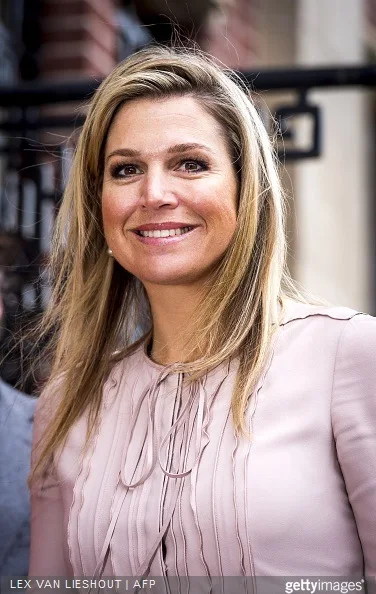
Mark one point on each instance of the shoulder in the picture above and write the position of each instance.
(351, 334)
(294, 312)
(357, 347)
(342, 331)
(16, 425)
(322, 318)
(14, 405)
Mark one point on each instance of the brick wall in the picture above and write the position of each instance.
(371, 12)
(227, 35)
(370, 37)
(78, 38)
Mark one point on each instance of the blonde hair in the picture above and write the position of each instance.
(96, 305)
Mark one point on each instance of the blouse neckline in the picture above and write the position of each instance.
(144, 353)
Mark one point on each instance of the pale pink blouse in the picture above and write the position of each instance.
(166, 487)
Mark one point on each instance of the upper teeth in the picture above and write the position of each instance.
(165, 232)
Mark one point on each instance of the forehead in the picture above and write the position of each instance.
(140, 123)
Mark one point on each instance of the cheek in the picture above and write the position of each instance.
(106, 211)
(223, 209)
(114, 209)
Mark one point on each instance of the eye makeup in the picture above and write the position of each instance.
(116, 168)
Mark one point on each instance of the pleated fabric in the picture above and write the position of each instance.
(164, 464)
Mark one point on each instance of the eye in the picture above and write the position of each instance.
(193, 165)
(123, 170)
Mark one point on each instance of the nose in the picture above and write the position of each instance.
(157, 191)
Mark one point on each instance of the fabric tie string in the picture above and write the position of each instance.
(154, 454)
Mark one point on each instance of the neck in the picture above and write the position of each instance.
(173, 308)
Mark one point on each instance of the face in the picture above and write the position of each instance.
(169, 196)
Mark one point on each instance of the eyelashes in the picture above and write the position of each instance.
(204, 165)
(117, 168)
(130, 169)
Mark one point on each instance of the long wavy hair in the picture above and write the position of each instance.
(96, 306)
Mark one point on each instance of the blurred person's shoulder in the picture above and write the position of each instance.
(15, 406)
(16, 423)
(16, 426)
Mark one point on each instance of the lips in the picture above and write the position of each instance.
(163, 226)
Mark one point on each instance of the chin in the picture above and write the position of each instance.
(166, 280)
(171, 278)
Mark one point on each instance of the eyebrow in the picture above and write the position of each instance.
(176, 148)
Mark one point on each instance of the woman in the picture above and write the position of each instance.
(237, 436)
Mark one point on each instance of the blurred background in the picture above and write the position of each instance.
(312, 66)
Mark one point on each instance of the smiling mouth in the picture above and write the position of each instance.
(164, 232)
